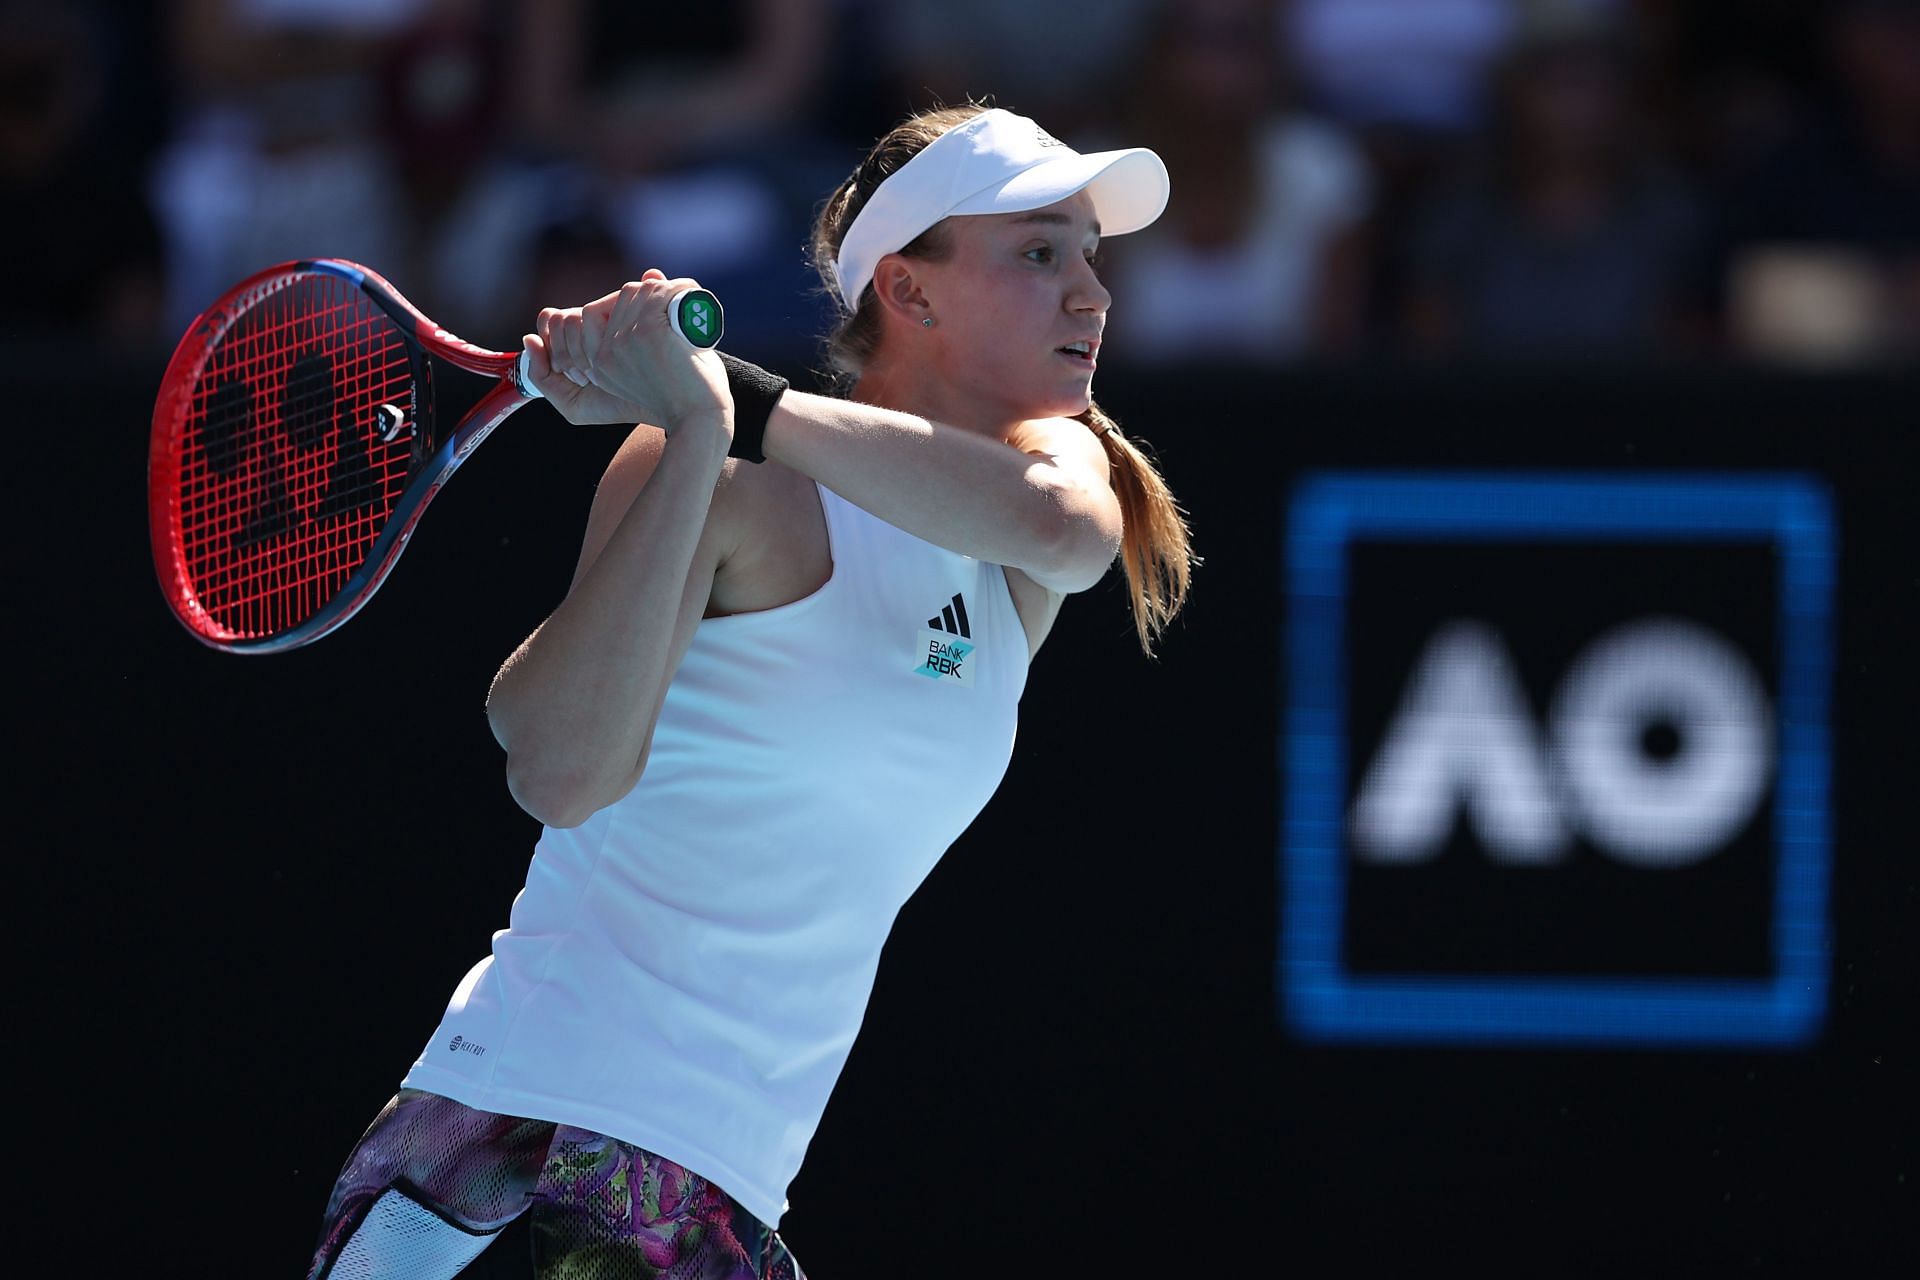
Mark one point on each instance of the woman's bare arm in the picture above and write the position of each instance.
(575, 704)
(1040, 503)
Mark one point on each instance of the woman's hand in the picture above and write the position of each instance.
(618, 354)
(633, 353)
(578, 401)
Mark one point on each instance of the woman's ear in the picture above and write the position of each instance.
(898, 289)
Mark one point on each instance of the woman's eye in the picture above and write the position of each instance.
(1093, 257)
(1042, 254)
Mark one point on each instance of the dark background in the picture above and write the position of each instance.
(244, 888)
(247, 886)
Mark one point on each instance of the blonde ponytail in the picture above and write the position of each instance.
(1157, 548)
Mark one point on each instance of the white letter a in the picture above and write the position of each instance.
(1463, 735)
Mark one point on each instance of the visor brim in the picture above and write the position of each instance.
(1129, 188)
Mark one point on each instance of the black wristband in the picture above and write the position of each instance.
(754, 392)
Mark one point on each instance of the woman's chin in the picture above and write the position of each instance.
(1070, 404)
(1061, 400)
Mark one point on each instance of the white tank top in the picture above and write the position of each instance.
(687, 969)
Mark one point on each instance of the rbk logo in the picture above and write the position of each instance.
(944, 649)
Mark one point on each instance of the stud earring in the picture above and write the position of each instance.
(926, 322)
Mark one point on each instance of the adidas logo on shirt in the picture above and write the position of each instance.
(955, 618)
(945, 651)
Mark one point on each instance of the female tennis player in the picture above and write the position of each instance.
(783, 681)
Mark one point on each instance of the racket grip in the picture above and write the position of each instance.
(694, 314)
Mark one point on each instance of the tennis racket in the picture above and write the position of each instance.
(295, 447)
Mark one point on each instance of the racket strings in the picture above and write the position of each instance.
(287, 474)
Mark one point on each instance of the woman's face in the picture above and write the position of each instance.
(1017, 310)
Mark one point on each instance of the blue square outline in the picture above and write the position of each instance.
(1320, 1002)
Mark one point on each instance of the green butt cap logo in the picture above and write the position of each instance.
(696, 317)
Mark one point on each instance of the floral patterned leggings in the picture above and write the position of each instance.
(432, 1182)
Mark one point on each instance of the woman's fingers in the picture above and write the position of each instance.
(538, 370)
(550, 328)
(603, 307)
(604, 343)
(570, 328)
(638, 298)
(543, 330)
(561, 390)
(600, 308)
(642, 304)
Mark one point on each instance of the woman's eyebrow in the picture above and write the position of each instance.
(1053, 219)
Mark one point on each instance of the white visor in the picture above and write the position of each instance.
(997, 162)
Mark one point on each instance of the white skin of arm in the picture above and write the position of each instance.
(1039, 503)
(575, 705)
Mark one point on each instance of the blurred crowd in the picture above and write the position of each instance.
(1352, 179)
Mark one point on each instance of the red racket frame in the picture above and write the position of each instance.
(174, 415)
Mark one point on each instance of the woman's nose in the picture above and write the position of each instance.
(1088, 293)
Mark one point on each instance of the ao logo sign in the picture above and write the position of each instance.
(1554, 759)
(1465, 738)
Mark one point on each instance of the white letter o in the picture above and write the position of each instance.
(1673, 812)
